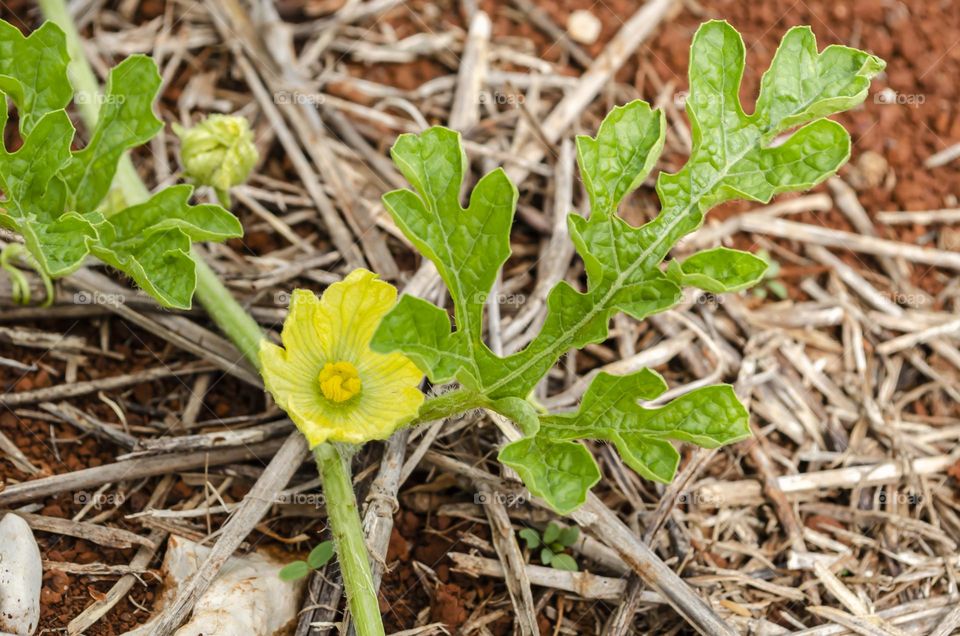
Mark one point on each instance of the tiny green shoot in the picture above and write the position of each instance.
(553, 544)
(319, 556)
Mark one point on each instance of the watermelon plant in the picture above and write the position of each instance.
(351, 361)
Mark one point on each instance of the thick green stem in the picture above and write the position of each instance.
(344, 517)
(232, 319)
(448, 404)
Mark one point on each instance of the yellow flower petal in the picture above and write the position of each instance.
(306, 332)
(326, 377)
(354, 308)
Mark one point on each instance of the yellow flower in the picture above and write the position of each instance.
(325, 376)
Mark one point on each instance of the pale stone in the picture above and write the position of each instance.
(868, 172)
(583, 27)
(247, 598)
(21, 575)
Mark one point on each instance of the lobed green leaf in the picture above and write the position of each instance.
(734, 155)
(719, 270)
(623, 153)
(35, 195)
(559, 472)
(33, 71)
(150, 242)
(126, 121)
(609, 411)
(52, 194)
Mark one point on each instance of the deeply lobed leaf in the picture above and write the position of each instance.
(734, 156)
(151, 242)
(52, 194)
(126, 121)
(33, 71)
(709, 417)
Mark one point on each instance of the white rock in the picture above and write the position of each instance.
(21, 575)
(583, 26)
(246, 599)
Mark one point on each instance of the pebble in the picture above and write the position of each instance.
(247, 597)
(21, 575)
(869, 171)
(583, 27)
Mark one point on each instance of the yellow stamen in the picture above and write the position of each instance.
(339, 381)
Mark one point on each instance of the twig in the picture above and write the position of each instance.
(511, 559)
(943, 157)
(920, 217)
(816, 234)
(583, 584)
(104, 384)
(738, 492)
(465, 111)
(101, 535)
(136, 469)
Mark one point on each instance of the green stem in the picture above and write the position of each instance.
(19, 287)
(232, 319)
(333, 464)
(448, 404)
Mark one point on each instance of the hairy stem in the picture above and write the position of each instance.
(448, 404)
(344, 517)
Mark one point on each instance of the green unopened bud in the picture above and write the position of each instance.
(218, 152)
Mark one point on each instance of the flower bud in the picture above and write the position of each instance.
(217, 152)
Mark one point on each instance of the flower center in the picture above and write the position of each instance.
(339, 381)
